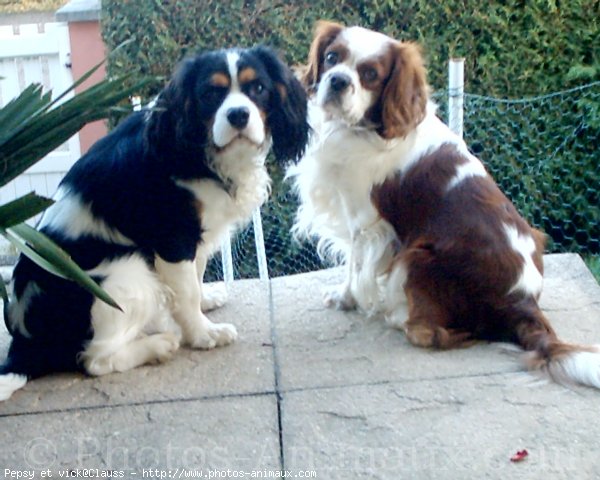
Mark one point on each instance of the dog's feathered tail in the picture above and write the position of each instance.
(562, 362)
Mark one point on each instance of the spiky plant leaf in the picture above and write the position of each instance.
(43, 251)
(24, 143)
(31, 126)
(23, 208)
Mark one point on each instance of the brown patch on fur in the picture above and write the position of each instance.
(545, 350)
(539, 239)
(339, 47)
(325, 34)
(282, 91)
(540, 358)
(246, 75)
(461, 266)
(404, 99)
(460, 263)
(382, 66)
(199, 208)
(426, 326)
(220, 80)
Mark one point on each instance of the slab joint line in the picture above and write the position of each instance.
(277, 377)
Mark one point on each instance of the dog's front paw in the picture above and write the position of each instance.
(164, 346)
(223, 333)
(340, 298)
(214, 295)
(214, 335)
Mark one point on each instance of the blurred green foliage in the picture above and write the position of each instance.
(543, 153)
(512, 48)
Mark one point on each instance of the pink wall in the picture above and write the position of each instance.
(87, 50)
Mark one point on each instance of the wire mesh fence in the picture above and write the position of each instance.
(544, 153)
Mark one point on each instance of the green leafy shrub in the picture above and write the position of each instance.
(543, 153)
(512, 49)
(22, 6)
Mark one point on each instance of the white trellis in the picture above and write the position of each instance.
(456, 92)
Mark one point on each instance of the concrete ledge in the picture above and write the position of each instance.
(80, 11)
(27, 17)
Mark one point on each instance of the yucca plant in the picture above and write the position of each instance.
(31, 126)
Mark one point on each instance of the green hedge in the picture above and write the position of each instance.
(543, 152)
(512, 49)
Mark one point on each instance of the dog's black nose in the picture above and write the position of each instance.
(339, 82)
(238, 117)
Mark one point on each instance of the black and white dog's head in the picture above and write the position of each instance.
(233, 99)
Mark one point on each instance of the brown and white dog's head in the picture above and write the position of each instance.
(366, 78)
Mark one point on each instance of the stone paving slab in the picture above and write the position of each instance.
(320, 347)
(238, 433)
(461, 428)
(359, 402)
(244, 367)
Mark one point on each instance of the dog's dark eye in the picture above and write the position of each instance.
(369, 75)
(216, 92)
(256, 90)
(332, 58)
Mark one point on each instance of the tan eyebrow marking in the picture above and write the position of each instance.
(282, 91)
(247, 75)
(220, 80)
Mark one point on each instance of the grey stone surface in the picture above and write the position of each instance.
(460, 428)
(571, 298)
(242, 368)
(237, 433)
(80, 11)
(310, 389)
(312, 338)
(26, 17)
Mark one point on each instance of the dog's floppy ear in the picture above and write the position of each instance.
(287, 110)
(176, 111)
(325, 34)
(404, 98)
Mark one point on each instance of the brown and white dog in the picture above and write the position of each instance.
(386, 187)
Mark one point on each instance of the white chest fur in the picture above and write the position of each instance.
(341, 166)
(334, 182)
(225, 207)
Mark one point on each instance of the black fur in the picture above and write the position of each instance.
(127, 180)
(288, 143)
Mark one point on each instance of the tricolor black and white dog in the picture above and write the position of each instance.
(143, 211)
